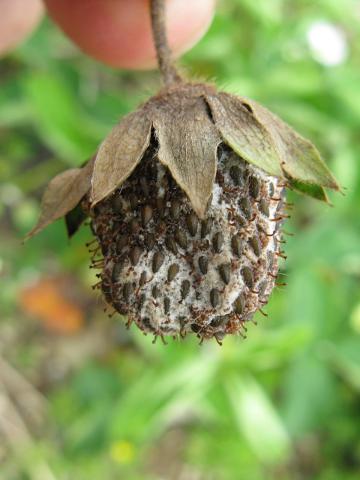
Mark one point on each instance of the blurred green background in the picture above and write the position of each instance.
(83, 398)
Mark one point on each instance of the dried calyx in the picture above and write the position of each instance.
(186, 200)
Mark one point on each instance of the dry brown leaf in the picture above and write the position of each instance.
(188, 141)
(62, 194)
(119, 154)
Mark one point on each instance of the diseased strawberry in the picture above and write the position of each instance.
(170, 271)
(186, 197)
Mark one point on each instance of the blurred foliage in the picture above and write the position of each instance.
(98, 401)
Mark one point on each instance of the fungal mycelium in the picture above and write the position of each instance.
(186, 200)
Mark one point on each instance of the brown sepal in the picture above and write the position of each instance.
(263, 139)
(119, 154)
(300, 159)
(62, 194)
(188, 141)
(243, 132)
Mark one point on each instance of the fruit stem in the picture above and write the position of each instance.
(167, 68)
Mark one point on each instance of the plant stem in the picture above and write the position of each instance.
(158, 22)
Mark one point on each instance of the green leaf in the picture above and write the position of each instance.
(344, 359)
(258, 420)
(313, 191)
(181, 385)
(309, 395)
(61, 125)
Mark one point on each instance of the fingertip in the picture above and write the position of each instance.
(119, 34)
(18, 19)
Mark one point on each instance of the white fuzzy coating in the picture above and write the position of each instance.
(197, 308)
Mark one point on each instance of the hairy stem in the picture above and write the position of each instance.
(158, 22)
